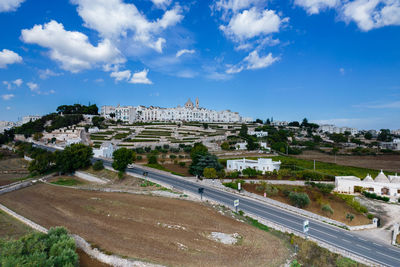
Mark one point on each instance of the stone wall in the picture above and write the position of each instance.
(91, 178)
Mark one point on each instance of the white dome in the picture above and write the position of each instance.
(368, 178)
(381, 178)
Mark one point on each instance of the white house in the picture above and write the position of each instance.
(381, 185)
(93, 130)
(241, 146)
(262, 164)
(258, 133)
(106, 150)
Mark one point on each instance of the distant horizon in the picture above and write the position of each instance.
(283, 59)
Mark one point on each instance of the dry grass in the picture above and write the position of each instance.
(11, 228)
(339, 206)
(11, 164)
(384, 162)
(131, 225)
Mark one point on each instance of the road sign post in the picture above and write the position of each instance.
(239, 186)
(236, 204)
(201, 191)
(306, 227)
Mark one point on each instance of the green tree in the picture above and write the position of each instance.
(225, 146)
(350, 216)
(368, 135)
(152, 159)
(205, 125)
(73, 157)
(122, 157)
(98, 165)
(384, 135)
(243, 131)
(42, 163)
(210, 173)
(338, 138)
(97, 121)
(300, 200)
(56, 248)
(204, 161)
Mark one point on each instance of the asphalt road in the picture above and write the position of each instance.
(373, 250)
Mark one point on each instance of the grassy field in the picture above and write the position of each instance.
(68, 181)
(11, 228)
(167, 231)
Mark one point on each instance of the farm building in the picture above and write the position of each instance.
(264, 165)
(381, 185)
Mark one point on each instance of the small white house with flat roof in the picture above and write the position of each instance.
(262, 164)
(106, 150)
(382, 185)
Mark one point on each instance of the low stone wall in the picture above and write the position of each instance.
(28, 222)
(15, 186)
(91, 178)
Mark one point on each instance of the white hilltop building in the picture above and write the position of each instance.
(382, 185)
(189, 112)
(261, 164)
(330, 128)
(106, 150)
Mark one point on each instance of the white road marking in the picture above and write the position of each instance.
(378, 244)
(388, 256)
(358, 245)
(347, 240)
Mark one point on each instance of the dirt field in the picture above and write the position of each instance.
(166, 231)
(11, 228)
(178, 169)
(12, 169)
(338, 205)
(384, 162)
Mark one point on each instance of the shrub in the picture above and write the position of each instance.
(375, 196)
(172, 156)
(300, 200)
(350, 216)
(98, 165)
(358, 189)
(152, 159)
(353, 203)
(232, 175)
(251, 172)
(234, 185)
(327, 209)
(139, 157)
(370, 216)
(311, 175)
(56, 248)
(182, 164)
(324, 188)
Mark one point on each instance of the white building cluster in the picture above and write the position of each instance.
(330, 128)
(189, 112)
(381, 185)
(262, 164)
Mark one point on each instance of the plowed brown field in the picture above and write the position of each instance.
(161, 230)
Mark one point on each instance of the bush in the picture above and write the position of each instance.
(324, 188)
(370, 216)
(311, 175)
(251, 172)
(139, 157)
(350, 216)
(98, 165)
(327, 209)
(152, 159)
(234, 185)
(182, 164)
(375, 196)
(56, 248)
(172, 156)
(233, 175)
(353, 203)
(300, 200)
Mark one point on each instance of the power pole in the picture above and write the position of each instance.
(314, 164)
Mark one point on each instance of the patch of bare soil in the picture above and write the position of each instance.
(12, 169)
(86, 261)
(134, 226)
(317, 199)
(384, 162)
(178, 169)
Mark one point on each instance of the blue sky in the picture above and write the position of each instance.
(332, 61)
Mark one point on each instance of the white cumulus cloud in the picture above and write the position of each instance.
(315, 6)
(71, 48)
(18, 82)
(7, 96)
(371, 14)
(8, 57)
(253, 22)
(140, 77)
(161, 3)
(33, 86)
(185, 51)
(253, 61)
(121, 75)
(10, 5)
(115, 18)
